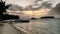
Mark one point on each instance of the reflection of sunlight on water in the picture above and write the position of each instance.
(42, 26)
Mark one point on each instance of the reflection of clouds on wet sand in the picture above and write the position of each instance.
(42, 26)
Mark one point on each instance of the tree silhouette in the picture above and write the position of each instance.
(3, 7)
(3, 10)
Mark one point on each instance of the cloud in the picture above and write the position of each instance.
(56, 9)
(37, 1)
(32, 8)
(15, 8)
(47, 4)
(37, 6)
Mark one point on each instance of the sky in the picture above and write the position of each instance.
(44, 7)
(24, 3)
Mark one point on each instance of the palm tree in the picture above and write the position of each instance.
(3, 7)
(3, 10)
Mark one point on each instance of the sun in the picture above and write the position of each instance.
(27, 12)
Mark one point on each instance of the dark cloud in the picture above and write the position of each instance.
(15, 8)
(32, 8)
(56, 9)
(36, 6)
(37, 1)
(47, 4)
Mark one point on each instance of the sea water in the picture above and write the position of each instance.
(41, 26)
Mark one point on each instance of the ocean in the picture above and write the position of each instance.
(41, 26)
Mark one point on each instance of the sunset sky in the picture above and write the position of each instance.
(24, 3)
(35, 4)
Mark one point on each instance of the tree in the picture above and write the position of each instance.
(3, 10)
(3, 7)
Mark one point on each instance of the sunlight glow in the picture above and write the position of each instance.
(37, 13)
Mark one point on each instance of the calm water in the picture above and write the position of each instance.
(42, 26)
